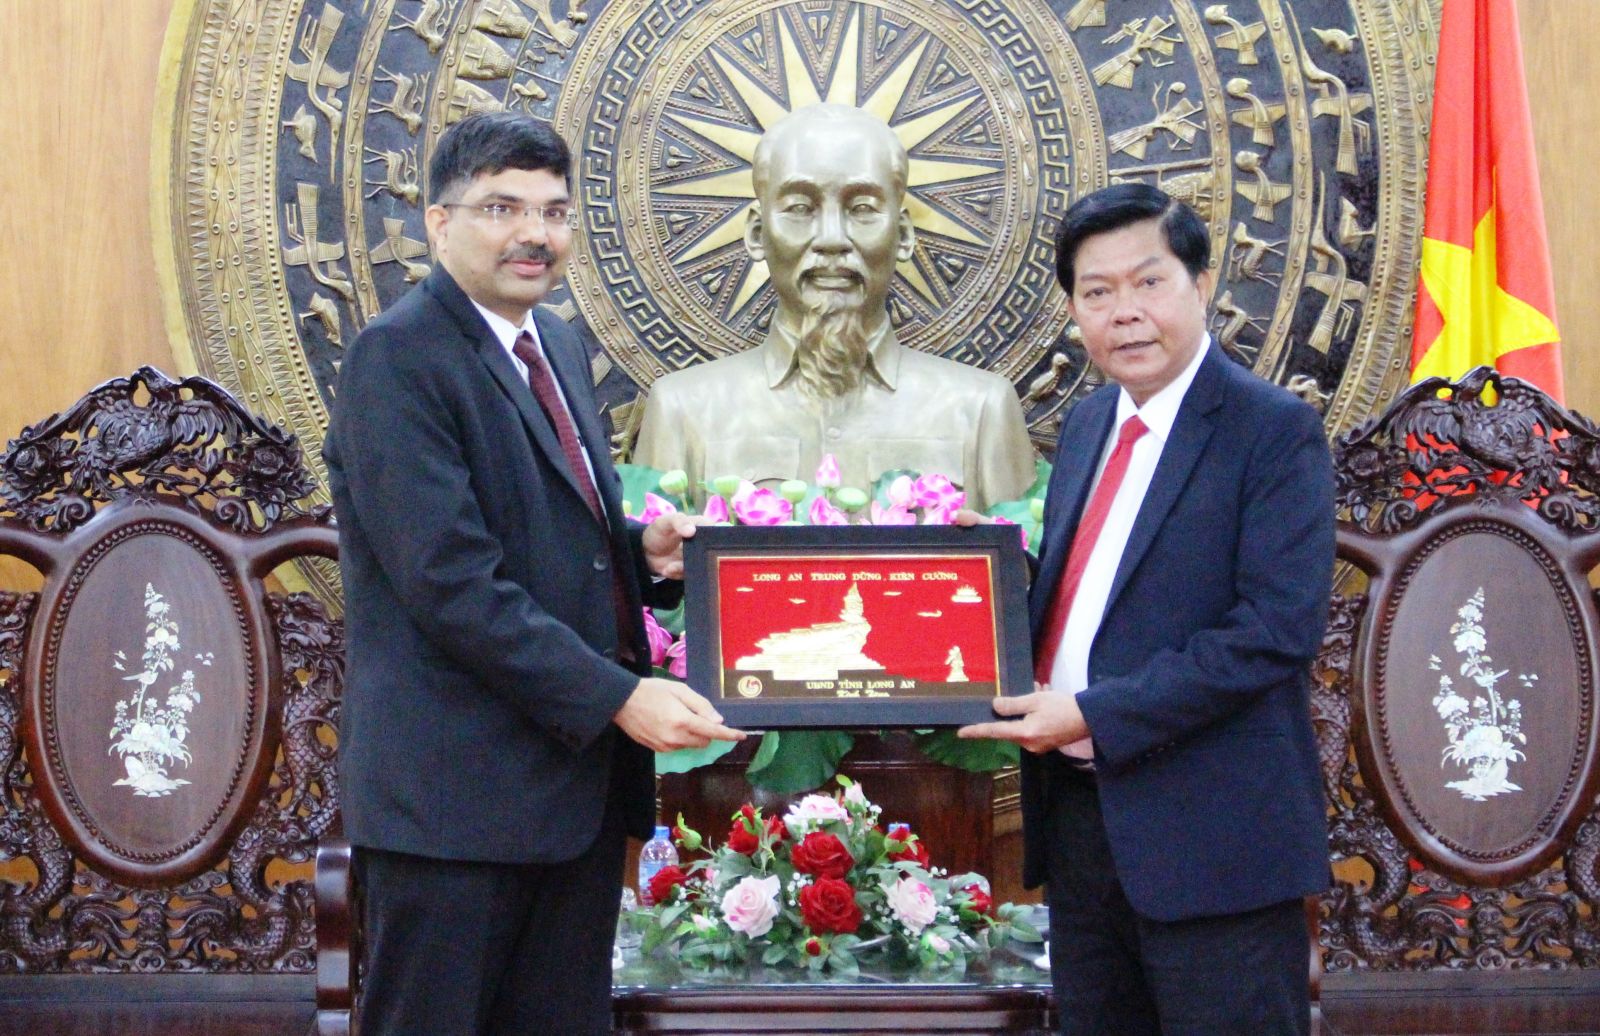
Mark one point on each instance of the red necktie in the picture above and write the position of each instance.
(1089, 526)
(543, 384)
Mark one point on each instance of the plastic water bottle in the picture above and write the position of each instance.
(657, 853)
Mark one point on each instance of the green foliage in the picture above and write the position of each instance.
(798, 760)
(686, 759)
(978, 756)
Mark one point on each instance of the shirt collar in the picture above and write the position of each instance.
(883, 354)
(1160, 411)
(505, 332)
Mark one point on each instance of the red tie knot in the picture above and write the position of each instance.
(524, 348)
(1131, 430)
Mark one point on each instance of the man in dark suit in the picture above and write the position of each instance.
(498, 719)
(1171, 802)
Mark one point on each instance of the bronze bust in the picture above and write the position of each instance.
(831, 377)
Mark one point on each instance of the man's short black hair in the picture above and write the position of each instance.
(1123, 204)
(492, 142)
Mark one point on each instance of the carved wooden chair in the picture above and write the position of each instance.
(166, 724)
(1465, 831)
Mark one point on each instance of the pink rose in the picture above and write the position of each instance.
(1007, 521)
(751, 905)
(760, 506)
(655, 507)
(716, 508)
(660, 640)
(828, 476)
(824, 513)
(676, 664)
(913, 903)
(891, 515)
(811, 812)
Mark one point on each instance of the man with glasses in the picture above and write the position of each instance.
(498, 716)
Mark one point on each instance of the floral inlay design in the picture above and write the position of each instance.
(1484, 733)
(150, 735)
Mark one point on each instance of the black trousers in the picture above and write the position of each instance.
(460, 948)
(1117, 973)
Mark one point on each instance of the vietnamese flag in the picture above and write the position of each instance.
(1486, 295)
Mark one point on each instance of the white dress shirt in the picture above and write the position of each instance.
(1070, 669)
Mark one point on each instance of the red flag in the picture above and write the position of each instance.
(1485, 295)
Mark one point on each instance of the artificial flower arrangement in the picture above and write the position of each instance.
(799, 760)
(821, 887)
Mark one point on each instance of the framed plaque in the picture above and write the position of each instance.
(856, 626)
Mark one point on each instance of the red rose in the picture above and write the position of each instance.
(776, 829)
(814, 946)
(823, 856)
(663, 881)
(980, 901)
(829, 905)
(741, 840)
(913, 851)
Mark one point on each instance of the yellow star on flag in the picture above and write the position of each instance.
(1481, 320)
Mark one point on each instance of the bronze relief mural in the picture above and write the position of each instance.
(301, 131)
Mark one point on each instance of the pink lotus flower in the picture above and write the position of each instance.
(716, 508)
(655, 507)
(1007, 521)
(895, 514)
(899, 493)
(751, 905)
(760, 506)
(824, 513)
(660, 640)
(913, 903)
(676, 663)
(938, 515)
(937, 491)
(828, 476)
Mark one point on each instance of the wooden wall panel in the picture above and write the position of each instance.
(1560, 39)
(79, 301)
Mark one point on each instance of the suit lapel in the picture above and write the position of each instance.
(573, 377)
(493, 356)
(1190, 433)
(1076, 461)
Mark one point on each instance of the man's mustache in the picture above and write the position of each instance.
(529, 253)
(830, 270)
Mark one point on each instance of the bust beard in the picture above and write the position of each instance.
(831, 349)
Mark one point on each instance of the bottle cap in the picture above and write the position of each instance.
(662, 831)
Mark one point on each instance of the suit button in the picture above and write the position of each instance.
(601, 562)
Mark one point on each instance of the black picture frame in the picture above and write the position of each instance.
(717, 557)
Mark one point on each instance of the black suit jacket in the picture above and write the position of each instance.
(1197, 696)
(482, 640)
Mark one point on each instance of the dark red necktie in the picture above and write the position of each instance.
(1083, 541)
(543, 384)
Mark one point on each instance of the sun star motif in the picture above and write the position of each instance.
(841, 86)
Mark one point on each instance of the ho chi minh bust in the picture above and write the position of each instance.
(831, 377)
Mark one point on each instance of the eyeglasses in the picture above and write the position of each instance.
(502, 214)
